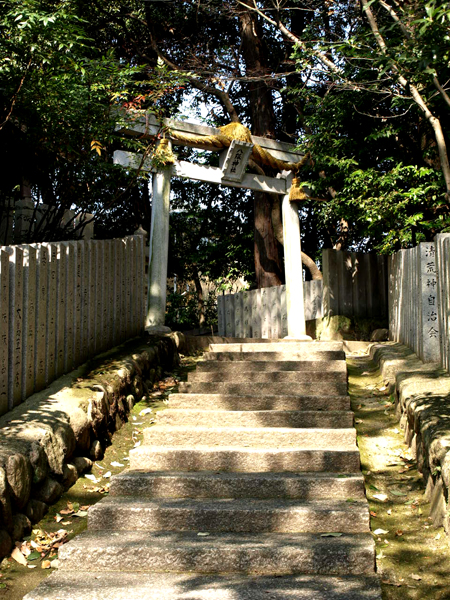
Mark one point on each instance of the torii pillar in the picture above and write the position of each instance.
(158, 251)
(293, 267)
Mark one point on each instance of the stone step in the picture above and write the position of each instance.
(256, 402)
(269, 554)
(229, 515)
(278, 355)
(281, 346)
(268, 376)
(254, 437)
(288, 486)
(262, 418)
(88, 585)
(311, 388)
(262, 366)
(245, 460)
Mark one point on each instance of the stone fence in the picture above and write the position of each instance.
(354, 285)
(62, 303)
(419, 303)
(20, 219)
(262, 313)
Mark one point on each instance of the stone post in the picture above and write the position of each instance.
(159, 250)
(293, 269)
(6, 221)
(23, 221)
(430, 303)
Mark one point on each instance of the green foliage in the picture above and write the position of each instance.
(372, 146)
(63, 96)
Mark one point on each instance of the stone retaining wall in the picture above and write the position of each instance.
(422, 393)
(54, 436)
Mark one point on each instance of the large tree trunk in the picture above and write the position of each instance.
(269, 266)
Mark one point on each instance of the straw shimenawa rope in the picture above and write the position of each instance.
(237, 131)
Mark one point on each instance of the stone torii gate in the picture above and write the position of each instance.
(231, 172)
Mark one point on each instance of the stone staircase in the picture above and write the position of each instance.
(248, 488)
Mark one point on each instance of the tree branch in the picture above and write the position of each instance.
(417, 97)
(14, 98)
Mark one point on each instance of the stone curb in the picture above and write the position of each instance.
(422, 401)
(55, 435)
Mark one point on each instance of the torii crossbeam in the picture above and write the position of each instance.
(231, 172)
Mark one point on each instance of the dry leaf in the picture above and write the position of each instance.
(373, 513)
(58, 517)
(203, 533)
(107, 475)
(381, 497)
(46, 564)
(380, 531)
(399, 533)
(116, 464)
(416, 577)
(17, 555)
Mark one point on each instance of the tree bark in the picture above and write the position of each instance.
(269, 267)
(200, 300)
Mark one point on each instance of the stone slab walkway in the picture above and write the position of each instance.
(248, 488)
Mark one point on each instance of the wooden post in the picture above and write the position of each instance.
(293, 269)
(159, 249)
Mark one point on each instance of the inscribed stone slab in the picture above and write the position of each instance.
(50, 360)
(99, 298)
(91, 250)
(61, 284)
(15, 324)
(107, 299)
(221, 314)
(229, 315)
(70, 307)
(84, 301)
(4, 330)
(247, 313)
(29, 318)
(430, 308)
(275, 315)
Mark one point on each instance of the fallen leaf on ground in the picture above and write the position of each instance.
(203, 533)
(58, 517)
(381, 497)
(416, 577)
(399, 533)
(92, 477)
(116, 464)
(107, 475)
(146, 411)
(34, 556)
(373, 513)
(380, 531)
(17, 555)
(46, 564)
(397, 493)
